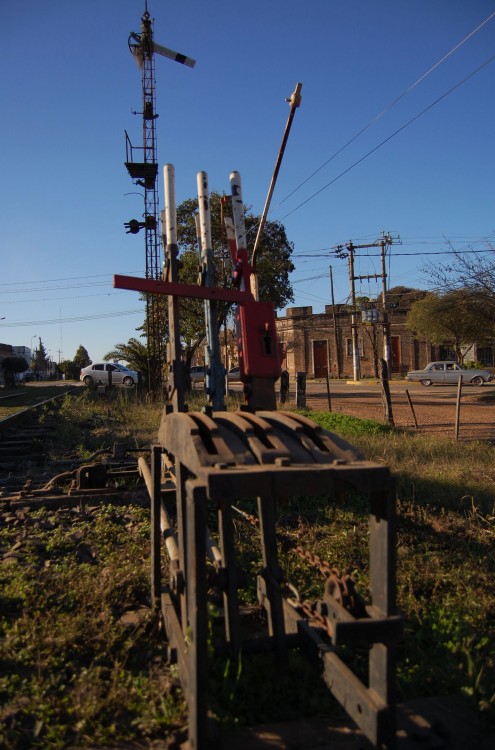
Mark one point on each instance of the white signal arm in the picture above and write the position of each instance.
(177, 56)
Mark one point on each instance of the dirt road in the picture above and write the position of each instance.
(434, 407)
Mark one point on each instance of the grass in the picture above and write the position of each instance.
(13, 400)
(75, 672)
(446, 559)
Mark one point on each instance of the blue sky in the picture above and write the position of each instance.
(69, 85)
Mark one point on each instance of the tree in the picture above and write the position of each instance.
(468, 270)
(135, 353)
(454, 318)
(81, 357)
(40, 358)
(273, 267)
(11, 366)
(402, 297)
(70, 369)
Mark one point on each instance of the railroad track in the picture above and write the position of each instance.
(30, 475)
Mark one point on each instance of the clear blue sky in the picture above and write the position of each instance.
(69, 85)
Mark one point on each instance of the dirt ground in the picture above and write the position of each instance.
(434, 410)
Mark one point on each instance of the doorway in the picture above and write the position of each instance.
(320, 358)
(395, 352)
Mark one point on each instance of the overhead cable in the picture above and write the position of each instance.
(73, 319)
(66, 278)
(389, 107)
(389, 138)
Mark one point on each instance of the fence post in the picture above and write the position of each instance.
(387, 401)
(284, 386)
(458, 408)
(328, 392)
(412, 408)
(301, 390)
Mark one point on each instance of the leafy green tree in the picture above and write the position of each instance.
(273, 267)
(70, 369)
(11, 366)
(402, 297)
(135, 353)
(81, 357)
(455, 319)
(40, 358)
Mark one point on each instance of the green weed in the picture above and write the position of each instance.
(72, 671)
(73, 674)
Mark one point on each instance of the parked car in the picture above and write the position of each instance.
(197, 373)
(99, 374)
(234, 374)
(449, 372)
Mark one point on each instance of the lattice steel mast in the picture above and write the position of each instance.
(144, 171)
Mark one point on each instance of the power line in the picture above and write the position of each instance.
(433, 252)
(314, 297)
(54, 299)
(389, 138)
(54, 288)
(323, 254)
(66, 278)
(73, 319)
(389, 106)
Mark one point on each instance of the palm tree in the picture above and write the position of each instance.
(135, 353)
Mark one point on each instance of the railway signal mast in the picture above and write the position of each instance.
(142, 165)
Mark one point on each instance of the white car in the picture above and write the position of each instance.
(449, 373)
(99, 373)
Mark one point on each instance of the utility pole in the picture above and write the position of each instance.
(387, 355)
(335, 336)
(356, 366)
(383, 243)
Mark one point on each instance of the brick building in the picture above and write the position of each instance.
(322, 342)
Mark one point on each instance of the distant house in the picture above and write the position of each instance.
(320, 344)
(5, 351)
(22, 351)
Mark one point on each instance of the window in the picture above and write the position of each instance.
(349, 347)
(99, 367)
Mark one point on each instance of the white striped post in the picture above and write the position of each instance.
(214, 367)
(175, 386)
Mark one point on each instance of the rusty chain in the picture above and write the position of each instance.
(309, 609)
(316, 561)
(340, 586)
(252, 520)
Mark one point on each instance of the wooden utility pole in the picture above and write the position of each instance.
(335, 335)
(383, 244)
(356, 366)
(387, 355)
